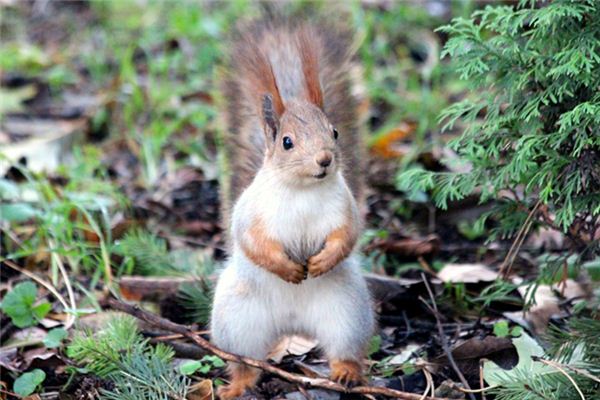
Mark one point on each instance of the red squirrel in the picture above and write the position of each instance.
(290, 201)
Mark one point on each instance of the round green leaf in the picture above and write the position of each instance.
(189, 367)
(55, 337)
(28, 382)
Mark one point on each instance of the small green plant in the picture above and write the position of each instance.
(137, 369)
(204, 365)
(531, 121)
(196, 298)
(20, 305)
(27, 383)
(55, 337)
(148, 252)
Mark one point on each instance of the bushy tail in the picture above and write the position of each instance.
(286, 60)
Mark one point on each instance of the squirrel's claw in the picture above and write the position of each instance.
(293, 273)
(348, 373)
(320, 264)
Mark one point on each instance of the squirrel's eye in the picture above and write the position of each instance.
(335, 133)
(287, 143)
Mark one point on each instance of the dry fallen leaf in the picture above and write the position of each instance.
(404, 355)
(202, 390)
(467, 273)
(383, 145)
(294, 345)
(546, 303)
(406, 247)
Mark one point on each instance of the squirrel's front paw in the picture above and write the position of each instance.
(291, 272)
(321, 263)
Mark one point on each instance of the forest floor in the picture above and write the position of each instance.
(116, 102)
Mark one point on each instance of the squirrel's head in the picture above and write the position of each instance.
(301, 142)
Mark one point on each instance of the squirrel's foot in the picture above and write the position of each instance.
(229, 392)
(291, 272)
(346, 372)
(242, 377)
(321, 263)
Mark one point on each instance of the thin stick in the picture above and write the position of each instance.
(167, 325)
(518, 242)
(443, 339)
(177, 336)
(481, 380)
(430, 386)
(562, 371)
(63, 271)
(574, 369)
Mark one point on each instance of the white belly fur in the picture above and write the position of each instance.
(252, 307)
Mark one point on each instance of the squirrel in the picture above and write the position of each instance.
(295, 183)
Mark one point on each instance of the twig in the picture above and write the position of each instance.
(562, 371)
(570, 367)
(176, 336)
(481, 380)
(516, 245)
(167, 325)
(10, 394)
(443, 338)
(63, 271)
(429, 379)
(427, 267)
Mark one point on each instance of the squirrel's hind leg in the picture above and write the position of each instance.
(346, 372)
(342, 320)
(241, 377)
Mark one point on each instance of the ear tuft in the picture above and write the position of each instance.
(269, 116)
(310, 66)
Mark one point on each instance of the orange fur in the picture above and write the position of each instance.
(346, 372)
(310, 66)
(270, 254)
(338, 246)
(261, 78)
(242, 377)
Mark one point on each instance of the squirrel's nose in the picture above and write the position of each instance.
(324, 158)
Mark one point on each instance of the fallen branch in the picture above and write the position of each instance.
(138, 288)
(322, 383)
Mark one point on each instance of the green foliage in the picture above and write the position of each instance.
(151, 257)
(101, 353)
(27, 383)
(574, 352)
(196, 298)
(65, 214)
(19, 305)
(204, 365)
(137, 369)
(531, 120)
(374, 345)
(147, 374)
(55, 337)
(400, 59)
(149, 253)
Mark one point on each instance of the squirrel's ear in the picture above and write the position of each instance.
(271, 120)
(310, 66)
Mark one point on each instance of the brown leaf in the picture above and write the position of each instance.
(294, 345)
(468, 353)
(202, 390)
(408, 247)
(383, 145)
